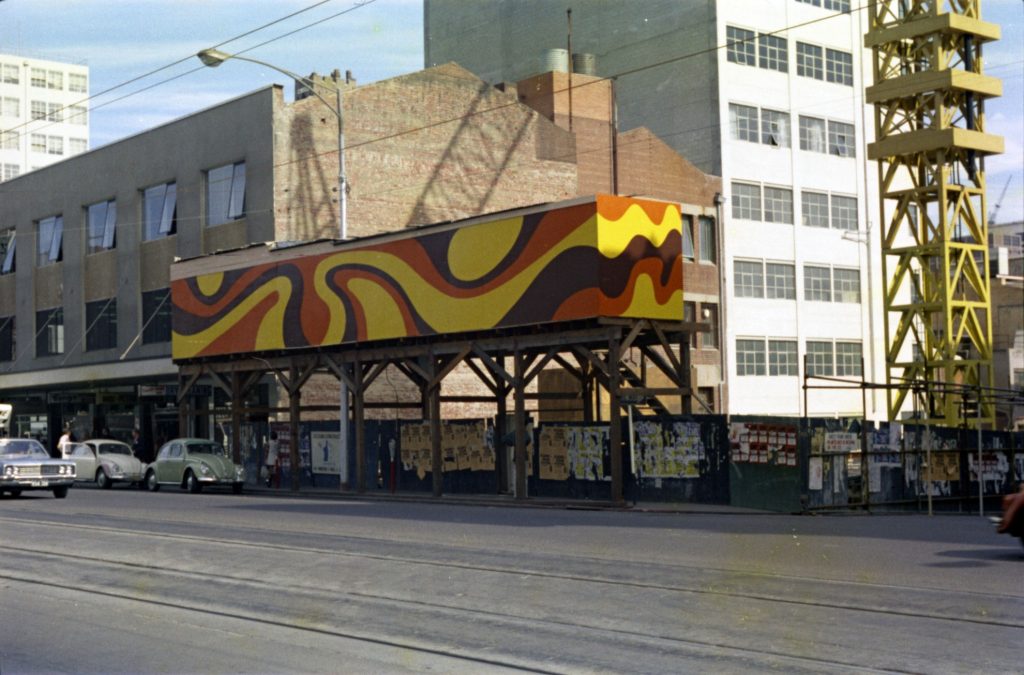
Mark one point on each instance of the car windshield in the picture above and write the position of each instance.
(114, 449)
(21, 447)
(209, 448)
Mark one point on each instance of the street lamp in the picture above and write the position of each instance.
(215, 57)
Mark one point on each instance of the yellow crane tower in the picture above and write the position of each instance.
(930, 142)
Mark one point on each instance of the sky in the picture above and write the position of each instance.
(121, 40)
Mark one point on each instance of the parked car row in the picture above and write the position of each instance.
(188, 463)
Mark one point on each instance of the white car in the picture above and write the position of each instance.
(104, 461)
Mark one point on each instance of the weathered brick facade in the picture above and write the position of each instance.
(440, 145)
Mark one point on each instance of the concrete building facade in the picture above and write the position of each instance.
(84, 313)
(43, 114)
(768, 95)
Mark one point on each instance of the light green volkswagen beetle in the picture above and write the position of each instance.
(192, 463)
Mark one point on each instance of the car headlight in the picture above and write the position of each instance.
(8, 470)
(114, 466)
(239, 473)
(204, 469)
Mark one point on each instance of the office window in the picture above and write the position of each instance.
(78, 114)
(809, 61)
(38, 78)
(49, 237)
(77, 83)
(743, 122)
(7, 344)
(690, 316)
(841, 139)
(55, 112)
(816, 3)
(848, 359)
(778, 205)
(817, 283)
(7, 251)
(10, 106)
(77, 146)
(37, 110)
(780, 281)
(708, 245)
(101, 324)
(54, 145)
(159, 211)
(839, 67)
(54, 79)
(225, 193)
(749, 279)
(840, 5)
(750, 357)
(740, 46)
(812, 134)
(10, 73)
(844, 213)
(709, 340)
(687, 237)
(102, 217)
(782, 357)
(49, 332)
(772, 53)
(746, 201)
(814, 208)
(156, 316)
(9, 171)
(846, 285)
(9, 140)
(775, 128)
(819, 358)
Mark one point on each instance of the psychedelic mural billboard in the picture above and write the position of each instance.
(607, 257)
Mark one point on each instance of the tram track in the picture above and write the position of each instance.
(1001, 610)
(516, 627)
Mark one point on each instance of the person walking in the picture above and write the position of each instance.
(66, 439)
(271, 463)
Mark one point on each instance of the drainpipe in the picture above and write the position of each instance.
(723, 337)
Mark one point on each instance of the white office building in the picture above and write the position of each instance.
(44, 117)
(767, 94)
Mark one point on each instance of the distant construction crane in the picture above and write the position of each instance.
(929, 93)
(1002, 195)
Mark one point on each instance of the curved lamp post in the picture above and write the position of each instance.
(215, 57)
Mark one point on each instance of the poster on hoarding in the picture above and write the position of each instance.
(326, 452)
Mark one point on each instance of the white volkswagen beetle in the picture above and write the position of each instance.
(104, 461)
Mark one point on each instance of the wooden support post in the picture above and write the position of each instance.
(615, 419)
(360, 435)
(519, 412)
(500, 450)
(683, 374)
(436, 465)
(236, 416)
(183, 410)
(294, 403)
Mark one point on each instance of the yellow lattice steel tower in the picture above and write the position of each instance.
(929, 94)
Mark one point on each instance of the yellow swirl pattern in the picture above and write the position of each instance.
(615, 235)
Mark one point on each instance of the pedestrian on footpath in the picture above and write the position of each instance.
(272, 460)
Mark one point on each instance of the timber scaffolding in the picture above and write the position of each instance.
(578, 285)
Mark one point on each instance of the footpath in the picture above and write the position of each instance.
(507, 501)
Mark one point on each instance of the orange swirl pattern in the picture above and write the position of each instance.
(609, 257)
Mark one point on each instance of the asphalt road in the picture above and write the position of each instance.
(128, 581)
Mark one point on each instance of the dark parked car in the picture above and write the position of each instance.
(25, 465)
(192, 463)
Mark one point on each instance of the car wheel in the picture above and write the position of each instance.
(237, 488)
(60, 492)
(102, 479)
(16, 493)
(151, 482)
(192, 484)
